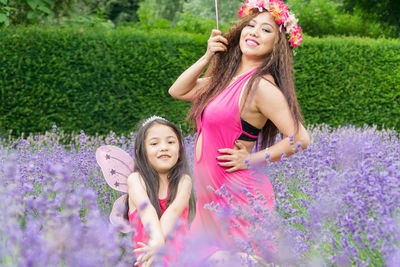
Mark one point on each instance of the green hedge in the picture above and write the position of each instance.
(349, 81)
(102, 80)
(96, 81)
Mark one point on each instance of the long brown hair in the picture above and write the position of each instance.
(278, 64)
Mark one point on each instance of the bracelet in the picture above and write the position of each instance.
(267, 155)
(247, 162)
(291, 140)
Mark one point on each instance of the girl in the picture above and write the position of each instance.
(246, 97)
(160, 188)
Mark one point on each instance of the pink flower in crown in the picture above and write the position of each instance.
(257, 4)
(244, 11)
(295, 37)
(290, 23)
(262, 4)
(279, 10)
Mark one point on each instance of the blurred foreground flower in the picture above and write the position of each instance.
(337, 203)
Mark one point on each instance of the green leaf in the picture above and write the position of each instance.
(32, 3)
(50, 3)
(3, 18)
(46, 10)
(3, 2)
(32, 14)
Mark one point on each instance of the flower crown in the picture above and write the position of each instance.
(281, 14)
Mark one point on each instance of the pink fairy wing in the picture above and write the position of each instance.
(117, 215)
(116, 166)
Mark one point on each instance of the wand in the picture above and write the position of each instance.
(216, 13)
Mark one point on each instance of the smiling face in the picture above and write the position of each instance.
(162, 147)
(259, 36)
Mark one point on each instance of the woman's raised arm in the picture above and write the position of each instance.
(187, 84)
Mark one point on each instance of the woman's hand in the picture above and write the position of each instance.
(216, 43)
(236, 158)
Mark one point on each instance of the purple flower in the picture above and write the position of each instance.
(336, 200)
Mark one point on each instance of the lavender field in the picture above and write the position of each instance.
(337, 203)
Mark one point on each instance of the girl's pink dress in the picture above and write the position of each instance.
(140, 234)
(220, 127)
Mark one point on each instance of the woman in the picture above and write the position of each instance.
(246, 94)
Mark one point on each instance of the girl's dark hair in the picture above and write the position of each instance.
(278, 64)
(150, 176)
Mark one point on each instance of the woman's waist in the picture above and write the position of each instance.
(208, 172)
(211, 167)
(223, 138)
(220, 128)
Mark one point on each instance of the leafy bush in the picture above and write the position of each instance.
(148, 19)
(205, 9)
(33, 12)
(388, 11)
(321, 17)
(316, 17)
(189, 16)
(110, 79)
(192, 24)
(121, 11)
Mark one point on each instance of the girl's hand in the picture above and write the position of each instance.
(236, 158)
(147, 254)
(216, 43)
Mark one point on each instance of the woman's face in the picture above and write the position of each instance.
(258, 37)
(162, 147)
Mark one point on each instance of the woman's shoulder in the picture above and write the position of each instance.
(268, 81)
(268, 87)
(269, 78)
(268, 93)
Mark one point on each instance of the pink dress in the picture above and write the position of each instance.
(220, 126)
(140, 234)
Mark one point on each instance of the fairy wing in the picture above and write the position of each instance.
(116, 166)
(117, 217)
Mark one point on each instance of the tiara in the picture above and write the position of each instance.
(152, 118)
(281, 14)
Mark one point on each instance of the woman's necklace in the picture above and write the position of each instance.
(235, 78)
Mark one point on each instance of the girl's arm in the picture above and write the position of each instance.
(175, 209)
(148, 215)
(271, 102)
(186, 86)
(167, 220)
